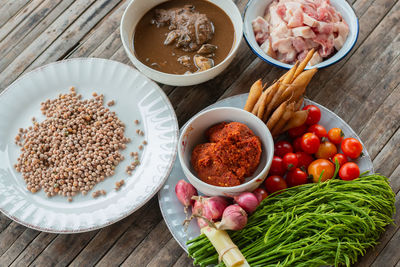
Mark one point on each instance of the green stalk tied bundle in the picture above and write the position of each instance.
(329, 223)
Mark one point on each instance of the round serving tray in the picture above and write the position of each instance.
(172, 209)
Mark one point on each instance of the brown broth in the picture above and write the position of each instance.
(149, 45)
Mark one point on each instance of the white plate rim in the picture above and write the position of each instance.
(148, 198)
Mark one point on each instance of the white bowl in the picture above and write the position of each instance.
(135, 11)
(193, 134)
(256, 8)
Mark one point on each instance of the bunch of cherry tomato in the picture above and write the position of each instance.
(312, 155)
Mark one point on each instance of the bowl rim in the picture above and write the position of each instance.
(266, 147)
(232, 52)
(266, 58)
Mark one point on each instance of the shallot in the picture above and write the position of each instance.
(208, 209)
(248, 201)
(233, 218)
(184, 192)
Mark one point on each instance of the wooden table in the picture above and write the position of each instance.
(363, 89)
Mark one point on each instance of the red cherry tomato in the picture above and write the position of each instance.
(297, 131)
(335, 135)
(318, 130)
(297, 144)
(317, 166)
(351, 147)
(314, 114)
(310, 143)
(282, 148)
(342, 159)
(326, 150)
(296, 177)
(290, 161)
(349, 171)
(304, 159)
(260, 193)
(275, 183)
(277, 167)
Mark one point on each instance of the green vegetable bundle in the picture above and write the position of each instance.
(329, 223)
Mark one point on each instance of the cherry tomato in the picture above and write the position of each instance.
(335, 135)
(317, 166)
(297, 131)
(290, 161)
(296, 177)
(314, 114)
(277, 166)
(342, 159)
(349, 171)
(282, 148)
(297, 144)
(310, 143)
(318, 130)
(326, 150)
(304, 159)
(275, 183)
(351, 147)
(260, 193)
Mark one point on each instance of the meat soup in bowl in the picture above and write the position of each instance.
(247, 126)
(181, 42)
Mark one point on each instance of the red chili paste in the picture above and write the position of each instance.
(233, 154)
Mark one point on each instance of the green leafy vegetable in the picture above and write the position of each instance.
(329, 223)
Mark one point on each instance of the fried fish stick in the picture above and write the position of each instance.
(298, 118)
(273, 120)
(258, 103)
(301, 82)
(254, 94)
(271, 91)
(275, 102)
(298, 103)
(304, 63)
(277, 129)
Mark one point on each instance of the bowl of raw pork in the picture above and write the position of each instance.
(281, 32)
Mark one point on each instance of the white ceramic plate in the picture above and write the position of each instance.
(172, 209)
(136, 97)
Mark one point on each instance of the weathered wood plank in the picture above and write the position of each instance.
(15, 62)
(74, 33)
(389, 157)
(144, 252)
(63, 249)
(373, 253)
(131, 238)
(121, 56)
(18, 18)
(382, 125)
(101, 32)
(331, 94)
(390, 254)
(9, 235)
(368, 22)
(167, 256)
(25, 27)
(183, 261)
(106, 237)
(10, 9)
(362, 86)
(4, 222)
(109, 46)
(34, 249)
(376, 97)
(33, 33)
(18, 246)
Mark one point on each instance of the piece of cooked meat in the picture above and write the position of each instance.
(189, 28)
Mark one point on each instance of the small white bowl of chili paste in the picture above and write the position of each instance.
(181, 42)
(225, 151)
